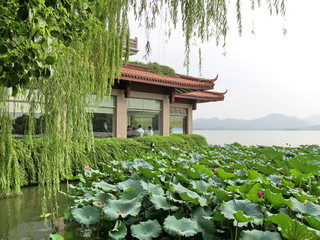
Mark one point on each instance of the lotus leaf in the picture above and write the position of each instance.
(240, 219)
(101, 198)
(205, 224)
(253, 193)
(119, 232)
(123, 208)
(105, 186)
(148, 173)
(308, 207)
(154, 189)
(225, 175)
(222, 195)
(303, 166)
(276, 199)
(274, 178)
(86, 215)
(292, 229)
(182, 227)
(189, 195)
(200, 185)
(259, 235)
(313, 222)
(248, 208)
(161, 202)
(56, 237)
(146, 230)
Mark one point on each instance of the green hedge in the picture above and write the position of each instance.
(105, 149)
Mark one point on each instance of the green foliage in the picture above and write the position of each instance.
(28, 165)
(57, 53)
(206, 193)
(161, 69)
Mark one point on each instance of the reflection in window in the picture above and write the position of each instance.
(103, 117)
(143, 112)
(178, 120)
(19, 112)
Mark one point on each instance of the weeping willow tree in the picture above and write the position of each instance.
(58, 53)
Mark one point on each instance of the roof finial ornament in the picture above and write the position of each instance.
(215, 79)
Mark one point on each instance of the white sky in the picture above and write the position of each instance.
(265, 73)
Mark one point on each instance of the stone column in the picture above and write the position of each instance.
(189, 120)
(166, 116)
(121, 116)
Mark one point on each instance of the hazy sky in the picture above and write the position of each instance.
(265, 73)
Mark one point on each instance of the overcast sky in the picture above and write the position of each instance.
(266, 73)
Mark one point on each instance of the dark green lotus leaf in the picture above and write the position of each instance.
(240, 219)
(292, 229)
(259, 235)
(267, 169)
(273, 154)
(120, 232)
(253, 193)
(313, 222)
(161, 202)
(148, 173)
(276, 199)
(248, 208)
(86, 215)
(182, 227)
(105, 186)
(222, 195)
(154, 189)
(189, 195)
(308, 207)
(304, 166)
(219, 217)
(123, 208)
(205, 224)
(146, 230)
(56, 237)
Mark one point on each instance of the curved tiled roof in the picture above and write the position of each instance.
(203, 96)
(138, 73)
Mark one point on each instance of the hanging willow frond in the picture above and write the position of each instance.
(84, 51)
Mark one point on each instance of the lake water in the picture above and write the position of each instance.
(261, 137)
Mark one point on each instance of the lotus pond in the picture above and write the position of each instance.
(229, 192)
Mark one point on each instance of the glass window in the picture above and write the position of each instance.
(144, 112)
(103, 123)
(19, 112)
(178, 120)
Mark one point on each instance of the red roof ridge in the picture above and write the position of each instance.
(145, 68)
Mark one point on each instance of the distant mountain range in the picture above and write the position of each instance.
(269, 122)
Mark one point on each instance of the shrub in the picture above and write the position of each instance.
(32, 163)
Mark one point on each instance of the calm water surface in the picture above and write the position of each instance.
(20, 216)
(261, 137)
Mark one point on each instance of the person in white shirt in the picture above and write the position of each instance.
(140, 131)
(149, 132)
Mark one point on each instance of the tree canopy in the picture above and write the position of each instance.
(56, 53)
